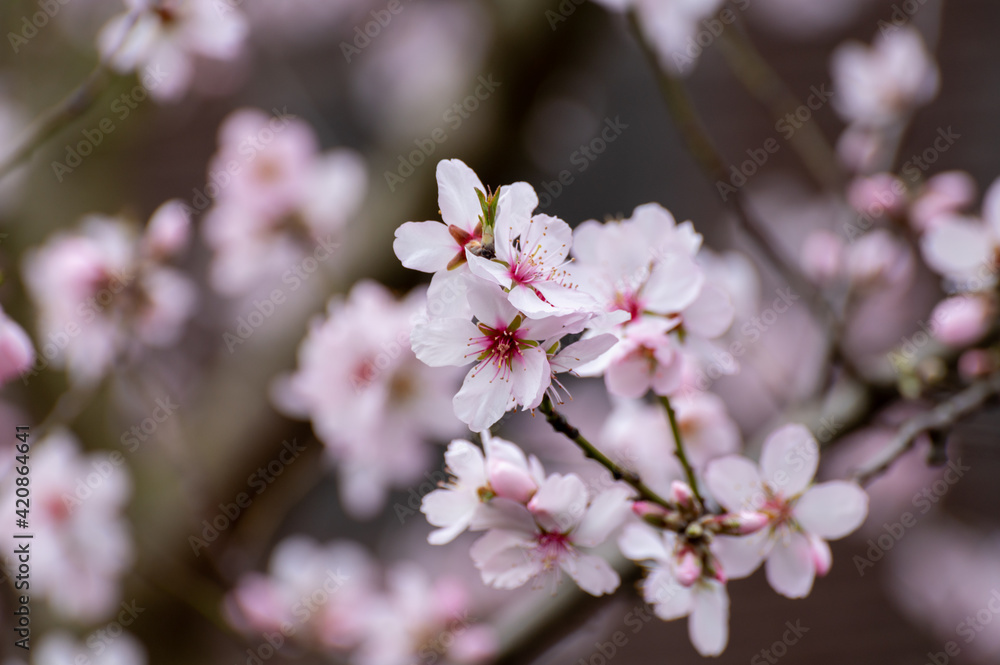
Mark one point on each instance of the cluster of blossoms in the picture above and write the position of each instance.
(277, 199)
(634, 290)
(73, 497)
(646, 313)
(103, 291)
(371, 402)
(330, 598)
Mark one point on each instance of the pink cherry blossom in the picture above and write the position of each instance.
(546, 538)
(676, 586)
(803, 516)
(943, 195)
(963, 320)
(17, 353)
(73, 496)
(165, 38)
(61, 648)
(505, 472)
(966, 249)
(324, 590)
(511, 367)
(372, 403)
(879, 85)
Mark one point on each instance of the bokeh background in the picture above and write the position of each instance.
(558, 83)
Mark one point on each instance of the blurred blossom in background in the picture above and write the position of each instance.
(398, 332)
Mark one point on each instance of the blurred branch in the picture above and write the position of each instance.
(73, 106)
(708, 157)
(761, 81)
(561, 425)
(945, 414)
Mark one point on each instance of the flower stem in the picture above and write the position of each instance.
(680, 452)
(561, 425)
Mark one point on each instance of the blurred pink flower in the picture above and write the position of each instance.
(61, 648)
(17, 353)
(372, 403)
(966, 249)
(165, 38)
(963, 320)
(881, 84)
(803, 516)
(943, 195)
(73, 497)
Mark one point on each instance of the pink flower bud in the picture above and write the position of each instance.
(976, 363)
(688, 568)
(819, 551)
(961, 320)
(169, 230)
(16, 352)
(748, 522)
(510, 481)
(877, 195)
(822, 256)
(649, 509)
(681, 494)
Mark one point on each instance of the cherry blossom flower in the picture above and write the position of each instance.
(277, 198)
(676, 585)
(418, 618)
(370, 400)
(879, 85)
(643, 267)
(966, 249)
(511, 366)
(504, 472)
(167, 36)
(74, 496)
(802, 516)
(545, 539)
(963, 320)
(17, 353)
(467, 225)
(324, 590)
(944, 195)
(102, 288)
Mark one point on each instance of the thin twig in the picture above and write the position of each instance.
(945, 414)
(679, 450)
(561, 425)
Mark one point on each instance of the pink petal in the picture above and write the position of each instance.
(457, 199)
(483, 398)
(608, 511)
(641, 542)
(789, 459)
(560, 503)
(444, 342)
(491, 271)
(735, 483)
(465, 462)
(708, 626)
(629, 376)
(502, 559)
(710, 314)
(530, 376)
(740, 556)
(832, 510)
(425, 246)
(450, 510)
(957, 246)
(582, 352)
(591, 573)
(673, 284)
(790, 569)
(669, 599)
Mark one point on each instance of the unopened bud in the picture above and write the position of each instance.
(819, 551)
(656, 515)
(688, 568)
(681, 494)
(747, 521)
